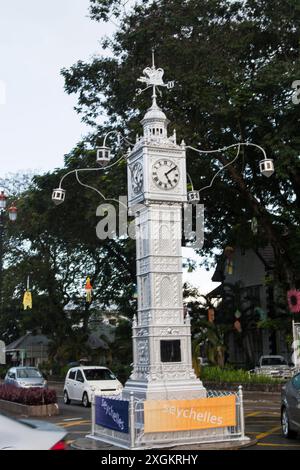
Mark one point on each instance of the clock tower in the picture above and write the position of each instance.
(162, 353)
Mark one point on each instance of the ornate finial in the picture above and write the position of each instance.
(153, 77)
(153, 63)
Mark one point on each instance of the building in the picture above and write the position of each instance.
(29, 350)
(247, 295)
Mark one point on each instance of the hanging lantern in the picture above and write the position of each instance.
(3, 199)
(27, 298)
(266, 167)
(58, 196)
(293, 296)
(193, 197)
(211, 315)
(254, 226)
(229, 251)
(103, 155)
(12, 213)
(237, 326)
(88, 290)
(237, 314)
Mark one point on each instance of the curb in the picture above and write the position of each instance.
(91, 444)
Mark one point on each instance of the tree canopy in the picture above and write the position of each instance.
(233, 63)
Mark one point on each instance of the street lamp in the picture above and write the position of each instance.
(103, 158)
(266, 166)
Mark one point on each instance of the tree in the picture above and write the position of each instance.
(223, 94)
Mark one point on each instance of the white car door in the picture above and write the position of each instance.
(79, 385)
(69, 385)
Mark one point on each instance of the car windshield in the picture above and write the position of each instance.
(273, 361)
(28, 374)
(99, 374)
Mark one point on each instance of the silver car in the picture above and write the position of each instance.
(25, 377)
(290, 407)
(30, 435)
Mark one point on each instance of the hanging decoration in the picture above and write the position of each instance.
(88, 290)
(254, 226)
(229, 251)
(211, 315)
(237, 326)
(293, 297)
(27, 298)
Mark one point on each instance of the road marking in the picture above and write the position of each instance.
(268, 433)
(73, 419)
(73, 423)
(255, 413)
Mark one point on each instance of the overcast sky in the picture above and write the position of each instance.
(38, 124)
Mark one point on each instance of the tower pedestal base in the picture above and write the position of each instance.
(164, 390)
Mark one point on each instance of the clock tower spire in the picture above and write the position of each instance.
(162, 355)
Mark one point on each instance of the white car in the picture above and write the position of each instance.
(82, 382)
(30, 435)
(273, 366)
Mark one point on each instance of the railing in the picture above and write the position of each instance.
(137, 439)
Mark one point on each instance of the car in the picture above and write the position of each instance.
(25, 377)
(30, 435)
(290, 407)
(274, 366)
(82, 382)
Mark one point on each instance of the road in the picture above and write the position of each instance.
(262, 417)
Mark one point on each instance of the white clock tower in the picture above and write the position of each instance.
(162, 354)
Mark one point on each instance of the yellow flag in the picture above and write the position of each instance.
(27, 300)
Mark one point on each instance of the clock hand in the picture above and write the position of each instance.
(172, 169)
(168, 179)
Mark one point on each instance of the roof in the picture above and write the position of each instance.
(28, 340)
(216, 293)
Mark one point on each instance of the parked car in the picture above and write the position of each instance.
(30, 435)
(25, 377)
(273, 366)
(82, 382)
(290, 407)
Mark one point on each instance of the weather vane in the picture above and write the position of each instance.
(153, 77)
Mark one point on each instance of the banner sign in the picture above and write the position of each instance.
(112, 414)
(185, 415)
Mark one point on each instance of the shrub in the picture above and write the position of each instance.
(3, 370)
(229, 375)
(28, 396)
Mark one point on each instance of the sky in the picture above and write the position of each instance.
(38, 123)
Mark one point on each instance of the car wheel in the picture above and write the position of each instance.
(67, 400)
(85, 400)
(285, 425)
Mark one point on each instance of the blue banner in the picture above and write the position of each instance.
(112, 414)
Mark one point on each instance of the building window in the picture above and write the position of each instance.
(170, 351)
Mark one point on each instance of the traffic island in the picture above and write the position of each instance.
(31, 401)
(27, 410)
(91, 444)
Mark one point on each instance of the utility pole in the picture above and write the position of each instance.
(12, 214)
(1, 254)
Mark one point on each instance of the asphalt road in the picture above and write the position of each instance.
(262, 417)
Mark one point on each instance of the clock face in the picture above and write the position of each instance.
(165, 174)
(137, 177)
